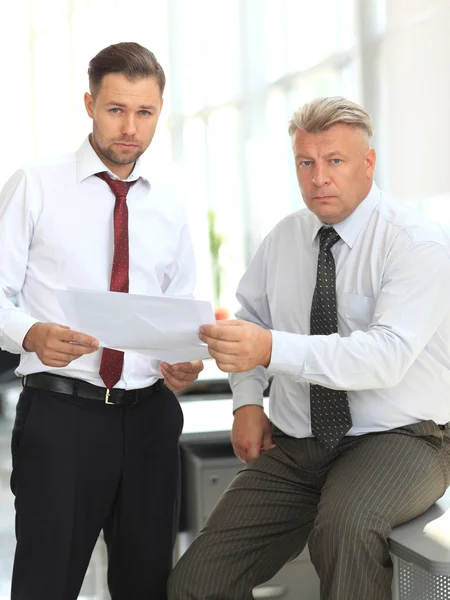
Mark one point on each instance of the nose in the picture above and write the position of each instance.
(129, 125)
(321, 176)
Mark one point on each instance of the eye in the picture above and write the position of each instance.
(115, 110)
(305, 163)
(145, 113)
(336, 161)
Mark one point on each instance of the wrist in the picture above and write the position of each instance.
(28, 341)
(248, 409)
(268, 348)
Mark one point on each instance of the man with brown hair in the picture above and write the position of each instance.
(347, 304)
(95, 441)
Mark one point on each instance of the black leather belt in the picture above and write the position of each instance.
(81, 389)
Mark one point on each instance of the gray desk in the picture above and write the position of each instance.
(420, 552)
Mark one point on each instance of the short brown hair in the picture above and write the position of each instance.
(129, 58)
(320, 114)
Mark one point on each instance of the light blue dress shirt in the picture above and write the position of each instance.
(392, 349)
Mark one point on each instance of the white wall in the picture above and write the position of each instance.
(415, 115)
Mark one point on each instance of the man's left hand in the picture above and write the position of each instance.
(179, 375)
(238, 346)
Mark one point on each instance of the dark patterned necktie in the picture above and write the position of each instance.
(330, 412)
(112, 360)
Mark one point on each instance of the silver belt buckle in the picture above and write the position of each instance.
(107, 397)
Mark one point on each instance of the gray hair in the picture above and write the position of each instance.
(321, 113)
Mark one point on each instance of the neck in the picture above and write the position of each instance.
(122, 171)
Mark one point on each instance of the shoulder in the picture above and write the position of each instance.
(298, 224)
(49, 171)
(409, 224)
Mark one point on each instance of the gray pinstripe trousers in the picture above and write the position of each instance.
(342, 502)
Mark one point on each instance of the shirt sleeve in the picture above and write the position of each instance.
(248, 387)
(16, 230)
(413, 302)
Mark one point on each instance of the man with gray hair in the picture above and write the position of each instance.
(347, 304)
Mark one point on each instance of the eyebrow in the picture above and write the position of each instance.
(327, 155)
(333, 153)
(122, 105)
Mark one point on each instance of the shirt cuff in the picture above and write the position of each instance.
(247, 392)
(288, 353)
(15, 329)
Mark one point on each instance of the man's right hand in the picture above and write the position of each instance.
(251, 433)
(57, 345)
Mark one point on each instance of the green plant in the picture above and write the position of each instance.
(215, 242)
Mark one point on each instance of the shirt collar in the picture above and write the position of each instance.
(349, 228)
(89, 163)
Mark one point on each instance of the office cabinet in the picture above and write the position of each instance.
(208, 468)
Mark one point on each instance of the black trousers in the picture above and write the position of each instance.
(80, 467)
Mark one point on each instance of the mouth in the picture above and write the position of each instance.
(319, 198)
(126, 146)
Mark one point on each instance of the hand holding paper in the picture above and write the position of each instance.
(178, 376)
(238, 346)
(57, 345)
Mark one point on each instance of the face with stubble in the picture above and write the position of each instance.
(125, 114)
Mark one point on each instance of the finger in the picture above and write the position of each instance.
(226, 323)
(177, 365)
(72, 350)
(176, 382)
(252, 453)
(228, 367)
(247, 449)
(221, 346)
(185, 367)
(55, 356)
(221, 332)
(267, 443)
(224, 357)
(239, 453)
(75, 337)
(182, 375)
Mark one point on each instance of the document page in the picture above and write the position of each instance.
(164, 328)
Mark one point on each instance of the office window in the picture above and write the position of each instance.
(236, 71)
(241, 68)
(316, 31)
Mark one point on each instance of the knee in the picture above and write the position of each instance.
(178, 587)
(349, 529)
(186, 582)
(201, 576)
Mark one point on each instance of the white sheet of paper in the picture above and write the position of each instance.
(164, 328)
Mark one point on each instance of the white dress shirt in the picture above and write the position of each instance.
(392, 349)
(56, 231)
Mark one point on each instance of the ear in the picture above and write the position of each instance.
(370, 159)
(89, 104)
